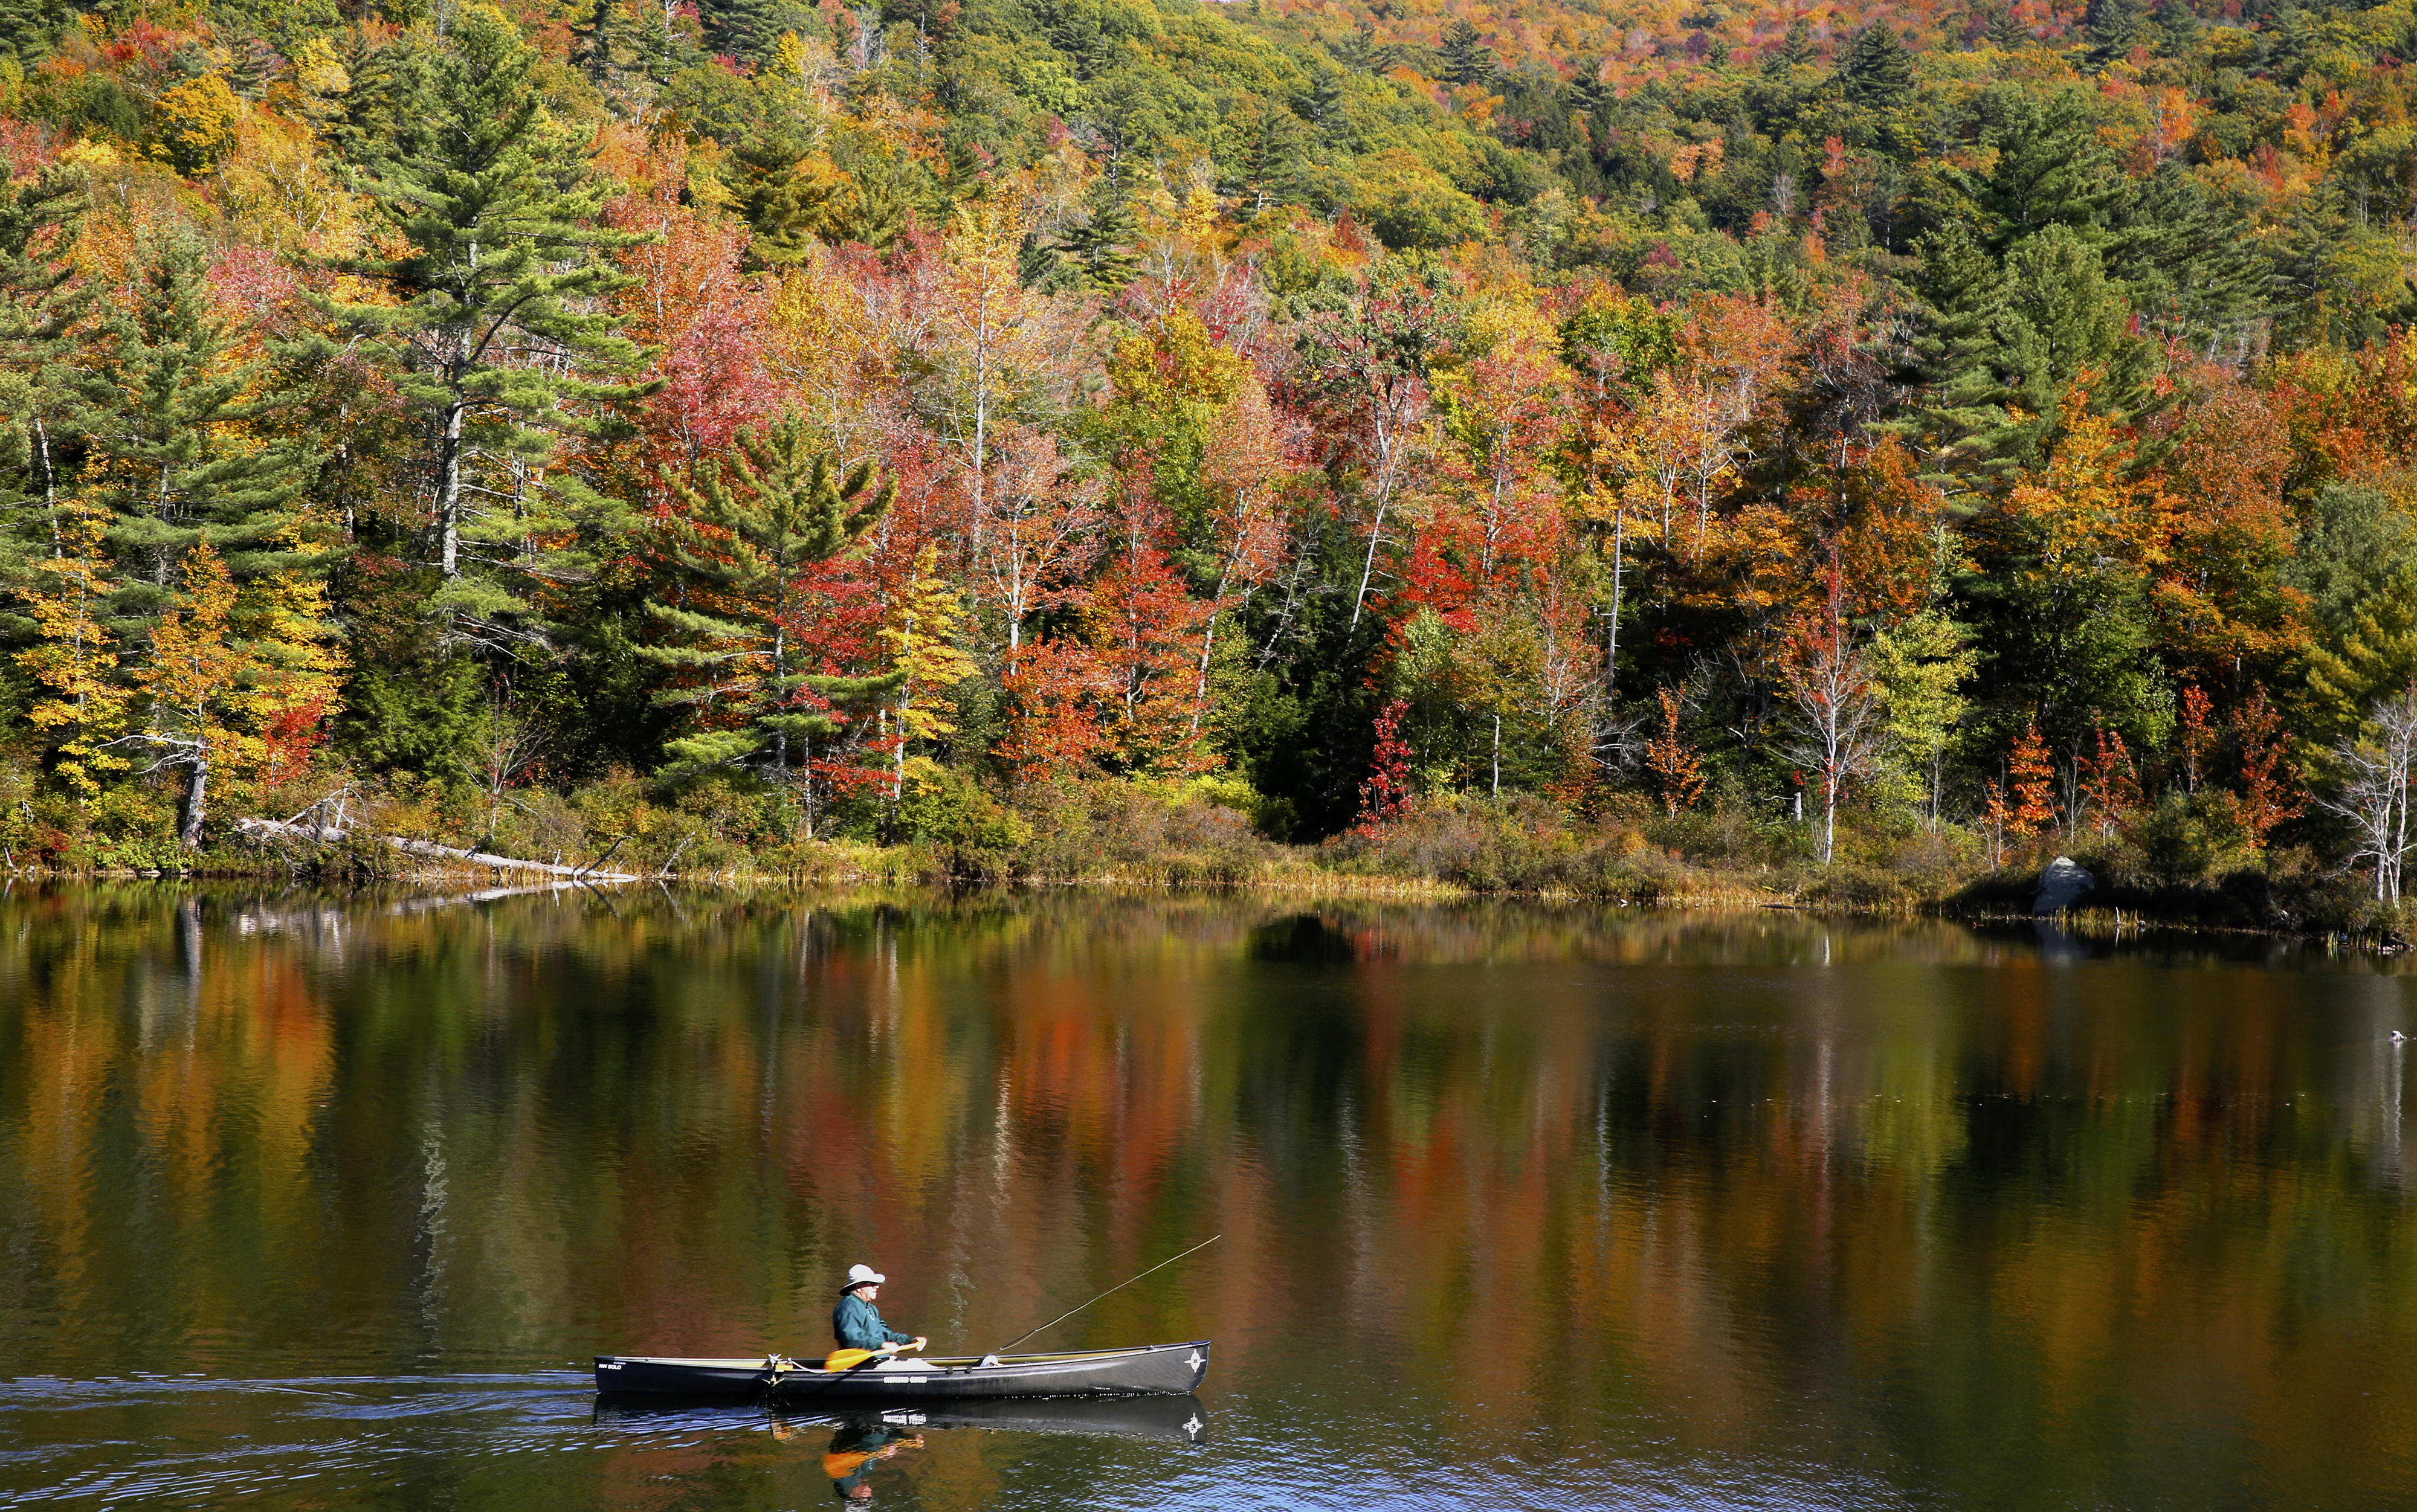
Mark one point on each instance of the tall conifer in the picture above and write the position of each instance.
(174, 456)
(753, 535)
(41, 315)
(494, 329)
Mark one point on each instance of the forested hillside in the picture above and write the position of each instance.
(1885, 438)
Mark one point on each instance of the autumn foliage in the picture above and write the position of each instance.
(1937, 434)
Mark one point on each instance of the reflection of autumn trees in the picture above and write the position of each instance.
(1736, 1174)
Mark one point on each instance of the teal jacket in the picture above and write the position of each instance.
(856, 1325)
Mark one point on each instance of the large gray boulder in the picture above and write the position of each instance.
(2062, 884)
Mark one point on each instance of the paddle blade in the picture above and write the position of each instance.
(847, 1359)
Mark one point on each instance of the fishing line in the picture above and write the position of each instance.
(1111, 1292)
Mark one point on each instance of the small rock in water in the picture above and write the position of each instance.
(2062, 884)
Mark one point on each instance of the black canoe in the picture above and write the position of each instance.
(1152, 1370)
(1179, 1418)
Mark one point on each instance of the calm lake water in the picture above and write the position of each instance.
(313, 1201)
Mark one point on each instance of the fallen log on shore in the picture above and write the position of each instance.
(330, 834)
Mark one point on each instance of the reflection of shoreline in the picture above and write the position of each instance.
(1665, 1163)
(1177, 1419)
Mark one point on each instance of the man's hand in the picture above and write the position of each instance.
(886, 1347)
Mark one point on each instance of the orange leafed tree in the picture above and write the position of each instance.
(1143, 626)
(2109, 783)
(2222, 595)
(2032, 775)
(1246, 464)
(2196, 740)
(1678, 772)
(1057, 699)
(2270, 791)
(2088, 512)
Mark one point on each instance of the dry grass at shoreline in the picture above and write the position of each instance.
(1134, 835)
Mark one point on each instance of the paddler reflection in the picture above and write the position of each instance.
(855, 1449)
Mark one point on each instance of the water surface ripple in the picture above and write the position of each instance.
(310, 1202)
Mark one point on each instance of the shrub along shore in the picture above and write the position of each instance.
(2168, 867)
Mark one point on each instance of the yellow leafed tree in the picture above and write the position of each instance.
(76, 659)
(922, 633)
(222, 702)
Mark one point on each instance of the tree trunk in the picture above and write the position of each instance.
(189, 826)
(1368, 568)
(1387, 447)
(449, 492)
(1611, 635)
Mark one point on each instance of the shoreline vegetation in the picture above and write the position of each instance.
(1122, 836)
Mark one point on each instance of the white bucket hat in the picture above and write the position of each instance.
(863, 1276)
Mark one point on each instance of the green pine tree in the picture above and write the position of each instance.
(1878, 73)
(29, 29)
(792, 199)
(495, 335)
(2007, 342)
(600, 43)
(2190, 265)
(2115, 27)
(1467, 59)
(2046, 165)
(2004, 32)
(743, 30)
(42, 313)
(1796, 49)
(750, 537)
(1267, 148)
(1099, 245)
(171, 451)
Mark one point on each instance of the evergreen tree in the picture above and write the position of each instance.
(170, 423)
(1268, 146)
(30, 28)
(2048, 166)
(1100, 244)
(780, 511)
(41, 391)
(2338, 281)
(2007, 344)
(2190, 265)
(882, 198)
(2004, 32)
(2115, 27)
(600, 41)
(1878, 73)
(1467, 59)
(1795, 50)
(1357, 48)
(743, 30)
(793, 197)
(2174, 28)
(495, 282)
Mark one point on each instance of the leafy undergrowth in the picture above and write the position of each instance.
(949, 830)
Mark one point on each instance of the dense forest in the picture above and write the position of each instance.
(1861, 440)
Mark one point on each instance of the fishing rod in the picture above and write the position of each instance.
(1110, 1292)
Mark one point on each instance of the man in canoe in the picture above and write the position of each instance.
(855, 1322)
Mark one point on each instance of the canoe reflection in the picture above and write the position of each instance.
(1179, 1418)
(857, 1448)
